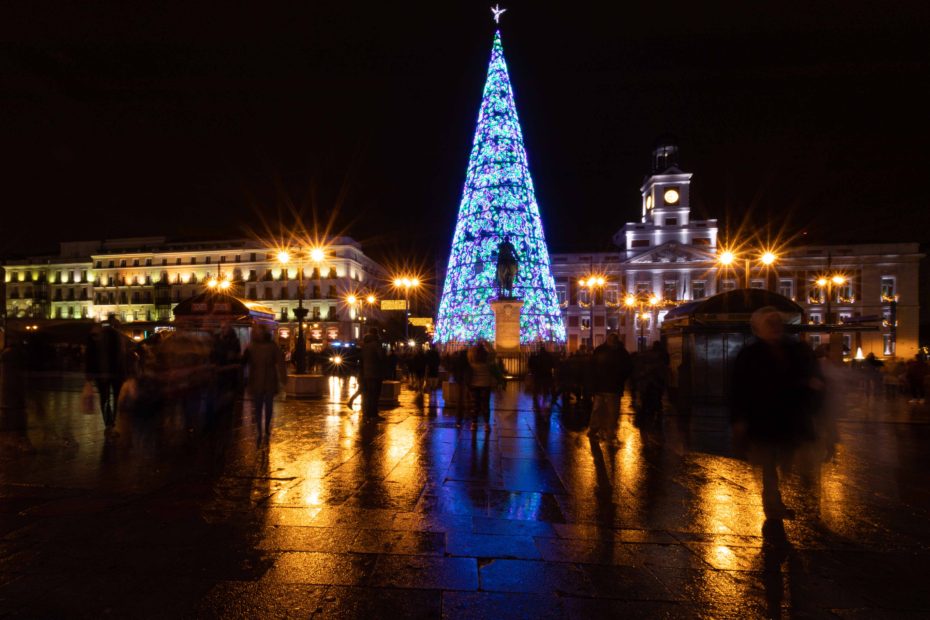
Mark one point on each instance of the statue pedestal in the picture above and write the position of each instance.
(507, 324)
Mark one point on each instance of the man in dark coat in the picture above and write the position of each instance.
(610, 367)
(372, 374)
(776, 386)
(105, 365)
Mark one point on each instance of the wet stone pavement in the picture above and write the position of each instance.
(416, 518)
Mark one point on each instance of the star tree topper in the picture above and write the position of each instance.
(497, 11)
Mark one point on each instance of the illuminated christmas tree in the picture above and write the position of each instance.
(498, 201)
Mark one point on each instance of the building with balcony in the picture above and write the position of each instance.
(140, 280)
(668, 258)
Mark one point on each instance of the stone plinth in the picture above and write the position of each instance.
(450, 394)
(390, 393)
(507, 324)
(305, 386)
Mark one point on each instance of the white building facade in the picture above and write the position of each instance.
(668, 258)
(140, 280)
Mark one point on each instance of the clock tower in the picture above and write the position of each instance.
(666, 209)
(666, 192)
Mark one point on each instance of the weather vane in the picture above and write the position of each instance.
(497, 11)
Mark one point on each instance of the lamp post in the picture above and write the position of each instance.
(592, 283)
(300, 347)
(728, 258)
(370, 300)
(828, 282)
(406, 283)
(640, 301)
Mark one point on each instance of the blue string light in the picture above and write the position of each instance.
(498, 201)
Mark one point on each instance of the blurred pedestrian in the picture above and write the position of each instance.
(374, 363)
(267, 371)
(541, 366)
(652, 377)
(226, 356)
(432, 369)
(611, 367)
(482, 380)
(461, 378)
(775, 380)
(916, 374)
(105, 366)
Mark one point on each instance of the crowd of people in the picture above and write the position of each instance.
(785, 397)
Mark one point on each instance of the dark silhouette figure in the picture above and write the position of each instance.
(916, 373)
(372, 374)
(105, 366)
(481, 381)
(611, 366)
(267, 371)
(776, 385)
(541, 366)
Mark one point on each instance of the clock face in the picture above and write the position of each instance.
(649, 201)
(671, 196)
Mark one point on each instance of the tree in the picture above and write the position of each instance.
(498, 201)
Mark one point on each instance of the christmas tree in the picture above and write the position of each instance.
(498, 201)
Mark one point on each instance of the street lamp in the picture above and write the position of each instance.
(828, 282)
(728, 258)
(406, 283)
(640, 301)
(592, 283)
(300, 347)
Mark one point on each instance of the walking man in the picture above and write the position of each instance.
(267, 370)
(372, 375)
(611, 366)
(775, 388)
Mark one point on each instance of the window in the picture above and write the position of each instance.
(177, 261)
(573, 321)
(887, 344)
(135, 262)
(888, 288)
(815, 318)
(642, 288)
(815, 340)
(148, 262)
(698, 289)
(847, 343)
(193, 260)
(583, 296)
(252, 257)
(586, 323)
(223, 259)
(268, 294)
(208, 260)
(671, 221)
(845, 316)
(561, 292)
(759, 284)
(252, 292)
(786, 288)
(728, 285)
(670, 290)
(611, 294)
(98, 264)
(122, 262)
(284, 314)
(639, 243)
(844, 293)
(238, 258)
(332, 273)
(111, 264)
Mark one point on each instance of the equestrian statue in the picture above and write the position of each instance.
(506, 268)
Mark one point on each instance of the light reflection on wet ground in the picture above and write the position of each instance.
(414, 515)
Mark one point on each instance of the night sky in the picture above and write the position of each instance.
(212, 121)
